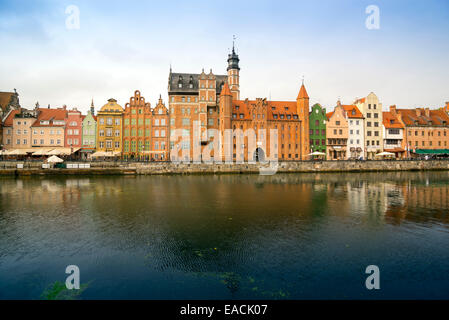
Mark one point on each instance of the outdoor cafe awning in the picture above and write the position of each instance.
(42, 151)
(62, 151)
(431, 151)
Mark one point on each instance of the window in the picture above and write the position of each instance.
(109, 121)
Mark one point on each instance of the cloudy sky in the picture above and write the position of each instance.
(122, 46)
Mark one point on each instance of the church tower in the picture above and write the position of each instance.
(302, 104)
(233, 74)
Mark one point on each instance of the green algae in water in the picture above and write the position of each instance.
(58, 291)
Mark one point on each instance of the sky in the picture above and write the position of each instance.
(123, 46)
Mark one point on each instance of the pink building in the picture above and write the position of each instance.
(73, 129)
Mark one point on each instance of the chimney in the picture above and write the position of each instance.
(338, 103)
(447, 106)
(393, 109)
(418, 112)
(64, 107)
(427, 111)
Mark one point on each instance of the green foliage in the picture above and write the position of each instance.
(58, 291)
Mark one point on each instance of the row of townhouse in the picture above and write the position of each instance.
(362, 130)
(136, 131)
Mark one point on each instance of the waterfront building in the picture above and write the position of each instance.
(426, 131)
(371, 109)
(109, 128)
(160, 132)
(73, 129)
(393, 133)
(337, 133)
(317, 128)
(356, 133)
(49, 128)
(89, 129)
(137, 118)
(17, 128)
(210, 104)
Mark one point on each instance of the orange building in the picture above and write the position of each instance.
(426, 131)
(137, 128)
(145, 131)
(337, 133)
(209, 105)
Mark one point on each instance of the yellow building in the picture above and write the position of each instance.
(109, 128)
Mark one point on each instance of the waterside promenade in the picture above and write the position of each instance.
(9, 168)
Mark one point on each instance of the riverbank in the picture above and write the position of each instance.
(158, 168)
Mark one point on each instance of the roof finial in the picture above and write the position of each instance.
(233, 43)
(302, 79)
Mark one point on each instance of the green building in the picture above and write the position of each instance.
(317, 127)
(89, 133)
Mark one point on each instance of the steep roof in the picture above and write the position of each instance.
(329, 115)
(361, 100)
(302, 93)
(226, 91)
(185, 79)
(410, 117)
(50, 115)
(282, 109)
(352, 111)
(9, 119)
(390, 121)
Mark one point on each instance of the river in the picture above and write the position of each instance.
(287, 236)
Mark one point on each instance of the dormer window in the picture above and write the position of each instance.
(391, 121)
(236, 107)
(241, 116)
(275, 116)
(295, 116)
(282, 116)
(273, 108)
(234, 116)
(289, 116)
(180, 85)
(286, 108)
(353, 112)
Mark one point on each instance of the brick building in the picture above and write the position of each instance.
(145, 130)
(205, 106)
(426, 131)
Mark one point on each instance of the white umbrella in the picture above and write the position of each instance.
(316, 153)
(54, 159)
(384, 154)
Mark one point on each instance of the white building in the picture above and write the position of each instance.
(371, 109)
(356, 132)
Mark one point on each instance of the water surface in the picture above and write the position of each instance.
(295, 236)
